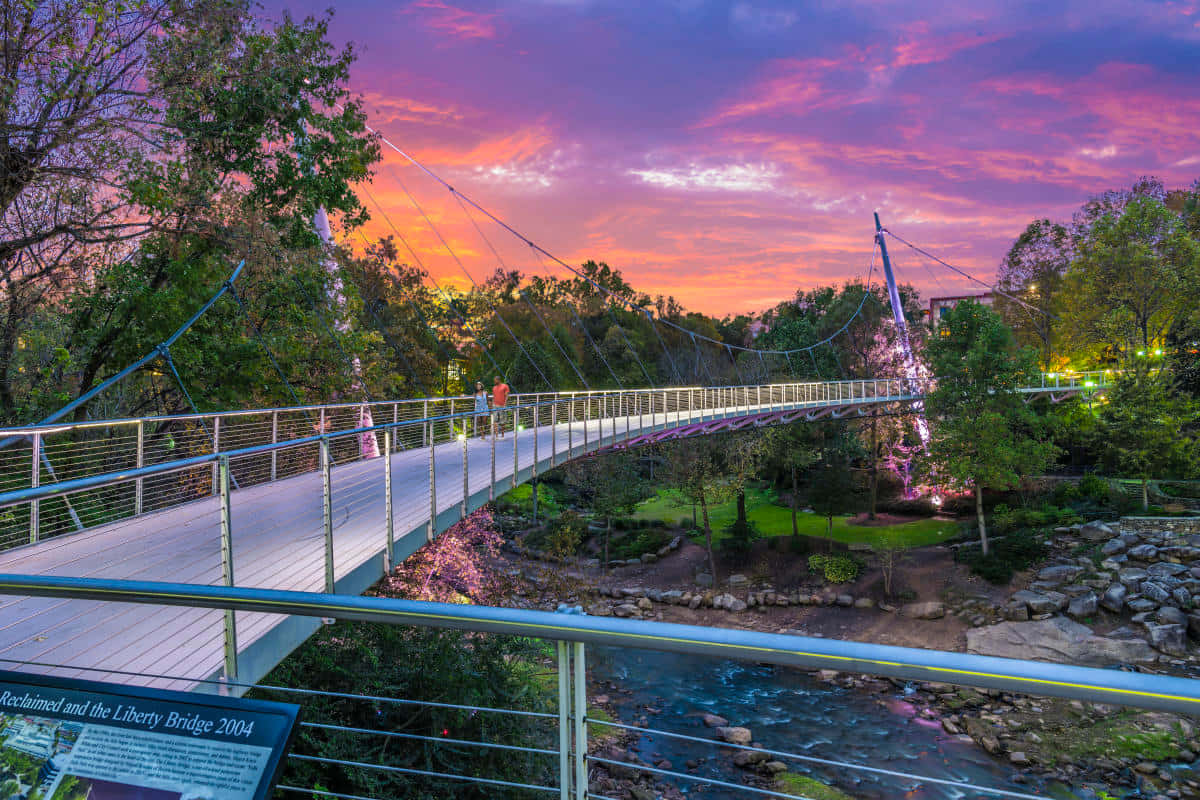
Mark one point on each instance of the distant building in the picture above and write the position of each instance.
(940, 306)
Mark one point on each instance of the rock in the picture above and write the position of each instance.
(1169, 615)
(1064, 573)
(1182, 597)
(735, 735)
(695, 602)
(715, 721)
(748, 758)
(649, 558)
(704, 579)
(1015, 611)
(845, 600)
(1194, 625)
(827, 675)
(673, 597)
(1096, 531)
(1146, 768)
(774, 767)
(645, 604)
(632, 562)
(1057, 639)
(1018, 758)
(1169, 639)
(930, 609)
(738, 580)
(1143, 552)
(1140, 605)
(1114, 597)
(1132, 577)
(1113, 547)
(1083, 606)
(634, 592)
(625, 610)
(1165, 569)
(1114, 563)
(640, 793)
(1153, 591)
(718, 601)
(864, 602)
(736, 606)
(949, 727)
(1038, 603)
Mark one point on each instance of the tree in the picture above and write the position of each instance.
(1033, 272)
(792, 452)
(1145, 431)
(1133, 283)
(984, 435)
(743, 456)
(611, 483)
(695, 471)
(832, 488)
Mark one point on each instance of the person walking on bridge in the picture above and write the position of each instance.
(481, 407)
(500, 392)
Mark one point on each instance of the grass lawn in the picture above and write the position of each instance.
(773, 519)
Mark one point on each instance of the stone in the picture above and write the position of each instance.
(1132, 577)
(1140, 605)
(1165, 569)
(649, 558)
(1181, 597)
(1015, 611)
(704, 579)
(1169, 639)
(736, 605)
(774, 767)
(1063, 573)
(748, 758)
(625, 611)
(695, 602)
(1144, 552)
(715, 721)
(864, 602)
(1018, 758)
(1057, 639)
(930, 609)
(1169, 615)
(1084, 605)
(1114, 563)
(635, 592)
(845, 600)
(1194, 625)
(1096, 531)
(1153, 591)
(645, 604)
(734, 735)
(1038, 603)
(674, 596)
(1113, 546)
(738, 580)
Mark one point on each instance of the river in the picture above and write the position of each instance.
(789, 710)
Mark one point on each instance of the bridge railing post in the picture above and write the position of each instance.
(389, 522)
(35, 474)
(554, 433)
(466, 470)
(429, 438)
(327, 507)
(230, 621)
(139, 462)
(274, 440)
(216, 441)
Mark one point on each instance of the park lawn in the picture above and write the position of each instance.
(773, 519)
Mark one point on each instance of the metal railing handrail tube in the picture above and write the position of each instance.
(1160, 692)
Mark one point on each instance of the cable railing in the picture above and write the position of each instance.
(171, 460)
(550, 753)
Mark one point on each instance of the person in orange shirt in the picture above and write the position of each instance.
(500, 392)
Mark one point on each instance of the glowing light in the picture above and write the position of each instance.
(520, 427)
(1089, 384)
(937, 501)
(1158, 351)
(462, 437)
(1141, 352)
(1051, 375)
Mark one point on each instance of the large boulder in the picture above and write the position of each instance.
(931, 609)
(1038, 603)
(1144, 552)
(1113, 546)
(1170, 639)
(735, 735)
(1083, 606)
(1096, 531)
(1062, 573)
(1057, 639)
(1169, 615)
(1152, 591)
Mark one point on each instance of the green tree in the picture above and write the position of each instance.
(743, 455)
(1146, 431)
(832, 488)
(1033, 272)
(695, 471)
(612, 484)
(984, 436)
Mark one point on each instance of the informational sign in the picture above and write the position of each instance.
(80, 740)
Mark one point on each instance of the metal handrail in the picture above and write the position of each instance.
(1158, 692)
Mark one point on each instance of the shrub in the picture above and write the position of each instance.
(1065, 493)
(1017, 551)
(836, 569)
(686, 523)
(1093, 487)
(740, 537)
(633, 545)
(565, 535)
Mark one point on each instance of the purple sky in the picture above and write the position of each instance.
(730, 152)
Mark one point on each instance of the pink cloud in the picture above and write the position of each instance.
(456, 23)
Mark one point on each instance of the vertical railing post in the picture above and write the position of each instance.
(564, 722)
(35, 476)
(554, 433)
(516, 424)
(466, 470)
(139, 484)
(327, 504)
(425, 432)
(580, 709)
(274, 440)
(216, 439)
(492, 485)
(535, 442)
(570, 428)
(387, 497)
(429, 438)
(231, 654)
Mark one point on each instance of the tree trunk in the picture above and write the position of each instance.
(874, 465)
(741, 507)
(829, 530)
(979, 513)
(607, 536)
(694, 524)
(795, 491)
(535, 501)
(712, 561)
(1145, 494)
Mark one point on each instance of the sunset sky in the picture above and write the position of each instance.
(730, 152)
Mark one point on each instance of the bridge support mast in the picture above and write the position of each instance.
(910, 364)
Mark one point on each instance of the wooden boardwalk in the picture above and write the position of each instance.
(278, 543)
